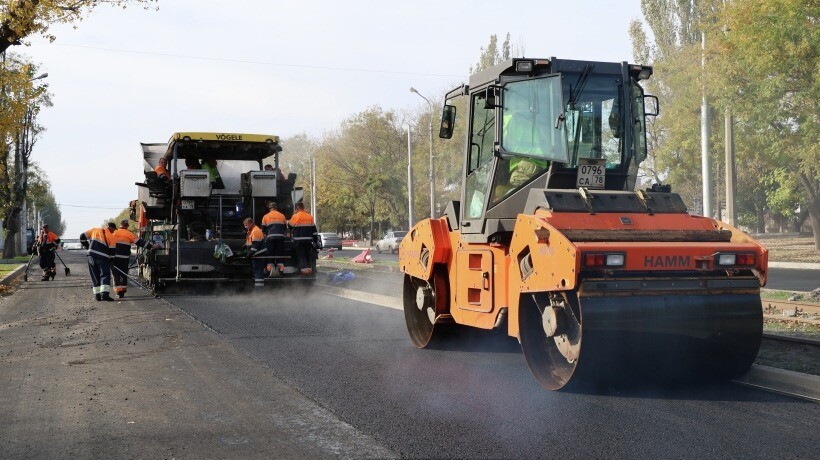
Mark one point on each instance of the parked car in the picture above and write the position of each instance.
(71, 244)
(390, 242)
(330, 240)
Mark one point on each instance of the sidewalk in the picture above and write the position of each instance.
(140, 378)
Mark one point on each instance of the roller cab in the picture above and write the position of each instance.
(551, 244)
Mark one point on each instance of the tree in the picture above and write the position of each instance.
(41, 200)
(359, 171)
(766, 67)
(20, 19)
(20, 105)
(674, 136)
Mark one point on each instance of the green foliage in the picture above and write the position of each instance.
(20, 19)
(761, 66)
(766, 66)
(21, 100)
(492, 54)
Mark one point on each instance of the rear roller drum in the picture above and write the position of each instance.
(419, 298)
(550, 338)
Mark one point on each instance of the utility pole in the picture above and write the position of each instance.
(731, 174)
(409, 180)
(432, 171)
(313, 190)
(706, 169)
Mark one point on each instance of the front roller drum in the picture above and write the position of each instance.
(667, 338)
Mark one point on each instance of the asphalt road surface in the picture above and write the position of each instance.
(475, 398)
(789, 279)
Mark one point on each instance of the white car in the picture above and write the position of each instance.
(71, 244)
(390, 242)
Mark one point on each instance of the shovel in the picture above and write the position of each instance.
(67, 271)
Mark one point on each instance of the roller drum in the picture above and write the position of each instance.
(669, 338)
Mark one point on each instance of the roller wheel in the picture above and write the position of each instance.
(419, 298)
(672, 338)
(550, 337)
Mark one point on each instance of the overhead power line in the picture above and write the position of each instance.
(245, 61)
(91, 207)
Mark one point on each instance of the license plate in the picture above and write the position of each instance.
(591, 173)
(187, 204)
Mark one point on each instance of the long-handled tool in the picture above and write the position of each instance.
(25, 276)
(133, 279)
(67, 271)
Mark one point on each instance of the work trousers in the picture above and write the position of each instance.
(258, 265)
(274, 246)
(100, 269)
(47, 261)
(305, 257)
(119, 269)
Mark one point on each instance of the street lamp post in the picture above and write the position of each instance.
(432, 171)
(409, 180)
(24, 211)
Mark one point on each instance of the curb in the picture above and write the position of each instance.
(13, 275)
(360, 296)
(790, 383)
(795, 265)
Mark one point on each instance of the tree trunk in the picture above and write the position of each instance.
(815, 228)
(12, 230)
(813, 195)
(761, 221)
(800, 219)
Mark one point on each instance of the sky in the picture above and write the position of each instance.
(121, 77)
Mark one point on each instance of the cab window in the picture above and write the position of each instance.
(482, 142)
(595, 118)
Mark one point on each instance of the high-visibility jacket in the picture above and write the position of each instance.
(48, 239)
(255, 239)
(123, 239)
(304, 228)
(274, 223)
(162, 172)
(100, 242)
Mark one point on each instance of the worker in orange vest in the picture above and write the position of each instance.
(304, 236)
(100, 245)
(162, 169)
(47, 242)
(123, 239)
(257, 252)
(273, 223)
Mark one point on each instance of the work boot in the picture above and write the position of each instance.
(120, 295)
(107, 297)
(98, 297)
(44, 278)
(53, 274)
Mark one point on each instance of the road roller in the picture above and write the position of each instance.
(555, 243)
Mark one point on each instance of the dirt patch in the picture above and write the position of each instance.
(790, 248)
